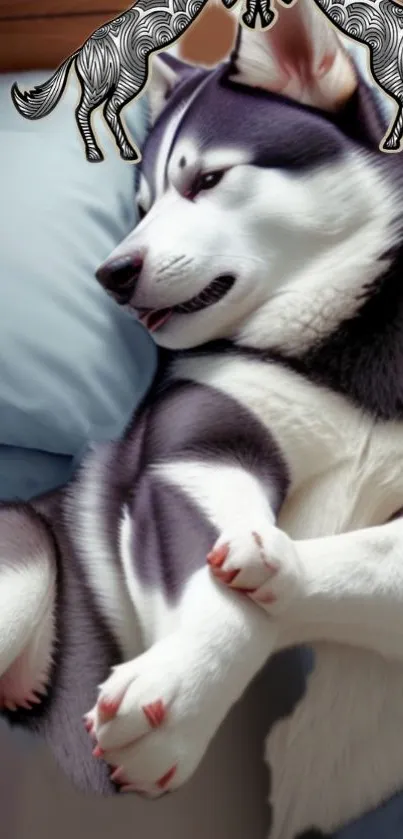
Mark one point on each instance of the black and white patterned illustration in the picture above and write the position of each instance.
(379, 25)
(113, 65)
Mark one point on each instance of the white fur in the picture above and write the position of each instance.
(343, 752)
(354, 582)
(225, 494)
(338, 217)
(200, 664)
(342, 236)
(198, 672)
(354, 479)
(156, 618)
(346, 474)
(27, 625)
(338, 457)
(85, 513)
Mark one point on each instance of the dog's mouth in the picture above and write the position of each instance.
(154, 319)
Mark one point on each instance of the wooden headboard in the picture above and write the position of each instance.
(39, 34)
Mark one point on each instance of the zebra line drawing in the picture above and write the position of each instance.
(378, 24)
(112, 65)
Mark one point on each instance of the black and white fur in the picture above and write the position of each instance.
(274, 430)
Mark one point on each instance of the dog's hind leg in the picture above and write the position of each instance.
(112, 109)
(27, 602)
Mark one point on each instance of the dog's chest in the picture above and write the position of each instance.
(344, 467)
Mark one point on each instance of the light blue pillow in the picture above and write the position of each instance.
(73, 366)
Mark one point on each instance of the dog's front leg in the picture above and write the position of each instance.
(347, 588)
(157, 714)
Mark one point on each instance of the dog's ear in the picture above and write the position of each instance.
(300, 56)
(164, 74)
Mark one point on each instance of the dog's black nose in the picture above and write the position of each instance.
(120, 276)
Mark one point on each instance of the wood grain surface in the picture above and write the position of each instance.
(38, 34)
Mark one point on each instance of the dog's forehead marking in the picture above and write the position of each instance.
(170, 132)
(165, 148)
(187, 161)
(184, 164)
(187, 155)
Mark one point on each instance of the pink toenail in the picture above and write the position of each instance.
(98, 752)
(217, 556)
(164, 781)
(155, 713)
(108, 708)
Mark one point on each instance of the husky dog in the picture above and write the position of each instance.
(252, 504)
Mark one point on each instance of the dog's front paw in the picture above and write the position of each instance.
(261, 562)
(150, 723)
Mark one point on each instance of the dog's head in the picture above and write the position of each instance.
(259, 182)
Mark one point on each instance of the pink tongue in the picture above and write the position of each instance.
(155, 319)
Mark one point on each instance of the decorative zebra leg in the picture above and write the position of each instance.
(266, 13)
(112, 116)
(393, 139)
(84, 112)
(255, 8)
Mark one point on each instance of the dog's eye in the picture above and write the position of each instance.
(208, 181)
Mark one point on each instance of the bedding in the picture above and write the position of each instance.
(73, 365)
(386, 822)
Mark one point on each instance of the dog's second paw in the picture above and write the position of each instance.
(262, 563)
(151, 723)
